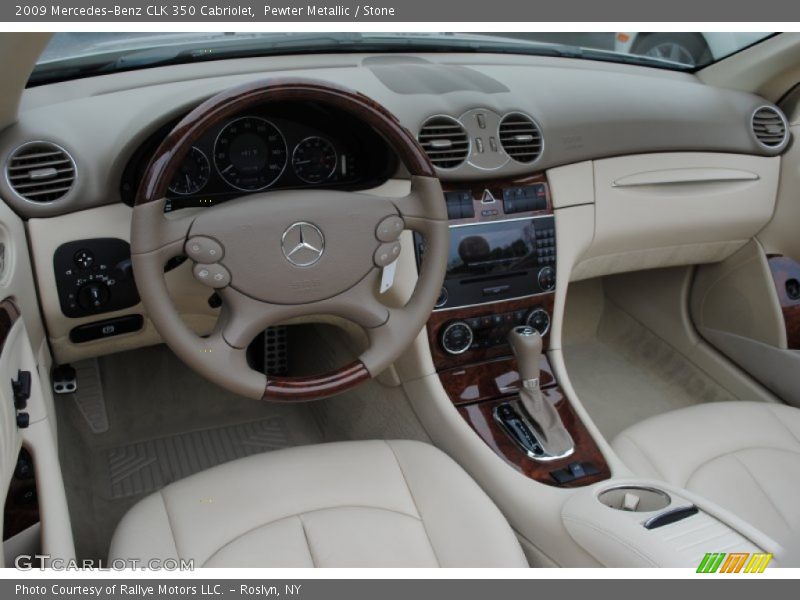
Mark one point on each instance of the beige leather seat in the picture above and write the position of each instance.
(350, 504)
(745, 456)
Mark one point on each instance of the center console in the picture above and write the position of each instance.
(501, 275)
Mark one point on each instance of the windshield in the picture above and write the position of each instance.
(72, 55)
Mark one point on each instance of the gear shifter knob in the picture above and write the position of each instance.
(526, 343)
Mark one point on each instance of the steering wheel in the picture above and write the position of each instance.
(278, 255)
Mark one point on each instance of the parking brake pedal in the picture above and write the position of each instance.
(65, 380)
(276, 351)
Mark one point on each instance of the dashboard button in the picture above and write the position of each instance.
(203, 250)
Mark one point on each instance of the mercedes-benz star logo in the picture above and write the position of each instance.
(303, 244)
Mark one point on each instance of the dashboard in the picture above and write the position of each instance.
(279, 147)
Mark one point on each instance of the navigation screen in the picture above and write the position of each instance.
(492, 248)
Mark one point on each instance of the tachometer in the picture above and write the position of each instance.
(314, 160)
(250, 153)
(192, 175)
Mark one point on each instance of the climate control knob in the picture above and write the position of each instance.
(539, 320)
(547, 278)
(456, 337)
(93, 296)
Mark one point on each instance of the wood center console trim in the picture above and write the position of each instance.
(784, 269)
(484, 212)
(439, 319)
(489, 380)
(480, 417)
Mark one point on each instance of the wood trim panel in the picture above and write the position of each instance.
(480, 418)
(438, 319)
(166, 160)
(496, 186)
(9, 313)
(489, 380)
(784, 270)
(314, 387)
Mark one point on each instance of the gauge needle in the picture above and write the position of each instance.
(302, 162)
(188, 182)
(228, 168)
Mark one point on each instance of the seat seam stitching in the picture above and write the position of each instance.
(414, 502)
(169, 522)
(299, 516)
(641, 451)
(732, 453)
(763, 493)
(308, 542)
(784, 425)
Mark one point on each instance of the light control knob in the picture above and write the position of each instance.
(93, 296)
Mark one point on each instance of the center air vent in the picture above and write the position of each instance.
(444, 141)
(769, 127)
(520, 137)
(41, 171)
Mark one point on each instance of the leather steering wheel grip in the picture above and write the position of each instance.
(221, 357)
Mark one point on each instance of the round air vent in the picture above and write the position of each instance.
(445, 142)
(521, 137)
(40, 171)
(770, 127)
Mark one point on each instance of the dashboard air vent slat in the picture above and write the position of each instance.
(769, 127)
(40, 171)
(521, 138)
(445, 142)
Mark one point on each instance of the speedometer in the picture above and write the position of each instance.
(250, 154)
(314, 160)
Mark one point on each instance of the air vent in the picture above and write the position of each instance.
(520, 137)
(769, 127)
(41, 171)
(444, 141)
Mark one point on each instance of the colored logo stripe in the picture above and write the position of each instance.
(734, 563)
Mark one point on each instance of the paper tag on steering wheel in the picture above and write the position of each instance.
(387, 276)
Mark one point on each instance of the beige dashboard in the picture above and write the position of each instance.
(648, 168)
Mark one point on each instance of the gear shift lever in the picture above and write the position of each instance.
(526, 343)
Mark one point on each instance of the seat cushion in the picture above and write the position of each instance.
(745, 456)
(349, 504)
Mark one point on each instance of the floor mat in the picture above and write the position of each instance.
(626, 373)
(144, 467)
(164, 422)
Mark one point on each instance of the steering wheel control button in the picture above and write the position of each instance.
(457, 337)
(203, 250)
(303, 244)
(387, 254)
(215, 276)
(390, 228)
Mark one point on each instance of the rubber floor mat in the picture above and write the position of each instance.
(146, 466)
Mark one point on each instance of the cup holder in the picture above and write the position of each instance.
(635, 499)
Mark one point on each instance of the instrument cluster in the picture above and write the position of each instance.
(282, 148)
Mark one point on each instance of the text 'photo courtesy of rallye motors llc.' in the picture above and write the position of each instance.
(408, 306)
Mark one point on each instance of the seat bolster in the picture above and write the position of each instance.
(145, 532)
(455, 511)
